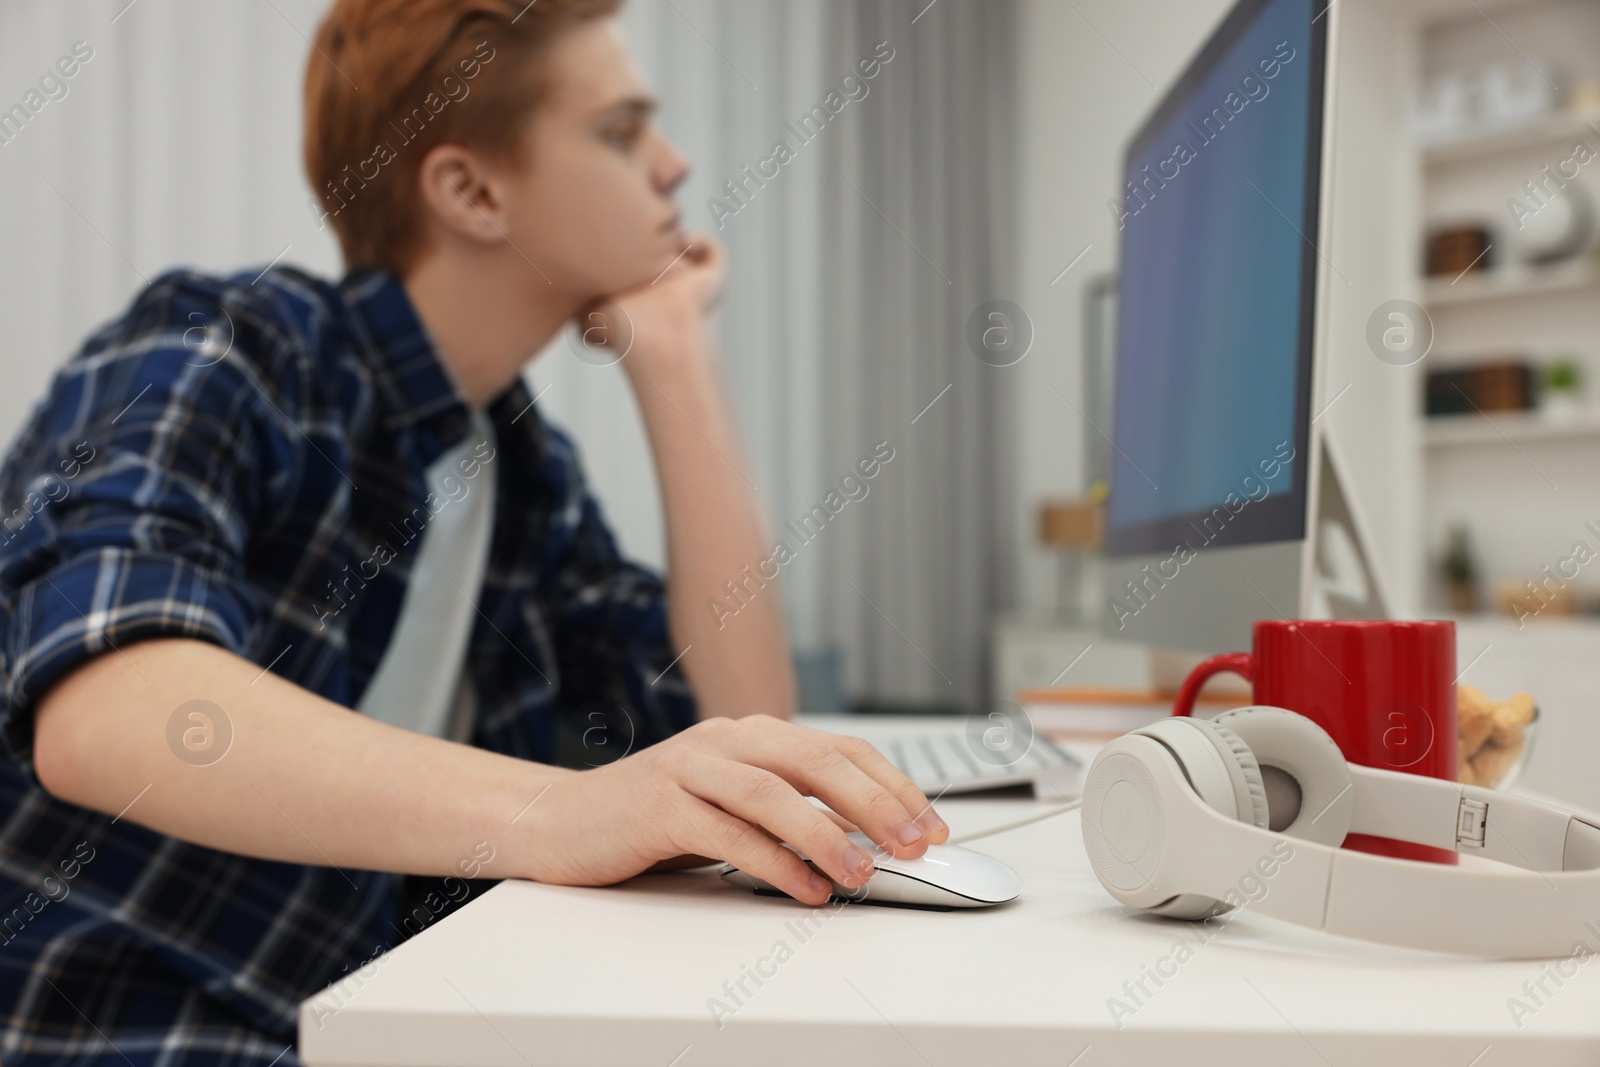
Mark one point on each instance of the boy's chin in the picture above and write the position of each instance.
(647, 270)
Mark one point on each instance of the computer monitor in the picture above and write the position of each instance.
(1214, 486)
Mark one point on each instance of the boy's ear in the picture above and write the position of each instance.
(461, 195)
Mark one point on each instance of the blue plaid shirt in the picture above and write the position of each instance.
(243, 462)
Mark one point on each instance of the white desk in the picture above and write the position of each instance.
(536, 975)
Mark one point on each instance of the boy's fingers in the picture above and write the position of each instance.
(816, 763)
(703, 246)
(706, 253)
(877, 766)
(840, 821)
(765, 800)
(749, 848)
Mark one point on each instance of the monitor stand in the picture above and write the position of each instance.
(1342, 583)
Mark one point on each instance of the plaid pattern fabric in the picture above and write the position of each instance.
(242, 462)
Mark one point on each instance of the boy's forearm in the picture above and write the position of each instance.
(738, 657)
(302, 779)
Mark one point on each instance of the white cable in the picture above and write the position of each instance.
(1007, 827)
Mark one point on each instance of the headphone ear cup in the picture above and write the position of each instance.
(1217, 764)
(1308, 785)
(1254, 809)
(1202, 749)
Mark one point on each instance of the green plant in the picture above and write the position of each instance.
(1459, 565)
(1562, 375)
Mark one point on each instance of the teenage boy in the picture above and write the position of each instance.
(301, 594)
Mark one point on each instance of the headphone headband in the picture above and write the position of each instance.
(1152, 838)
(1473, 821)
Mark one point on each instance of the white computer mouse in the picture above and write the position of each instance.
(947, 876)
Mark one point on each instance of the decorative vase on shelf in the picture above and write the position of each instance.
(1555, 228)
(1562, 407)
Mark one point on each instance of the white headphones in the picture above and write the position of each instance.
(1189, 819)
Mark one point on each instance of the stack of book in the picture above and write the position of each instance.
(1108, 712)
(1487, 387)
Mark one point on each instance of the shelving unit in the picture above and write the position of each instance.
(1563, 126)
(1523, 484)
(1512, 428)
(1511, 282)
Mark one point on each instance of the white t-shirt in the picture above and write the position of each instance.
(420, 683)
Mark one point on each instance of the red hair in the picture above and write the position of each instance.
(390, 79)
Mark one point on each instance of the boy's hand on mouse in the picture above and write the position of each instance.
(732, 789)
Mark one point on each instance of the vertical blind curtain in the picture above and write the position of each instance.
(919, 234)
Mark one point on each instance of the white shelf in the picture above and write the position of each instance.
(1503, 283)
(1551, 129)
(1447, 431)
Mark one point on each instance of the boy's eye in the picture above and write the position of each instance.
(623, 137)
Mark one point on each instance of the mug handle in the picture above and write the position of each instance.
(1232, 662)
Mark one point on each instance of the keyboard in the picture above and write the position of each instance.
(945, 762)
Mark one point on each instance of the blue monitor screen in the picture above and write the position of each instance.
(1218, 214)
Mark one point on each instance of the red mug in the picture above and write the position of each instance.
(1384, 691)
